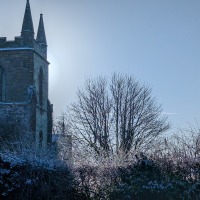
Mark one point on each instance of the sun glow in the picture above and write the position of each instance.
(53, 72)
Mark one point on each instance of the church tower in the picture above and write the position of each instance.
(24, 79)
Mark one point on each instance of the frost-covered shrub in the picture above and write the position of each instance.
(148, 180)
(20, 180)
(10, 175)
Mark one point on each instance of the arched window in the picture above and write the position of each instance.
(41, 86)
(40, 138)
(2, 84)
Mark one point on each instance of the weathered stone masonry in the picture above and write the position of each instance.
(24, 78)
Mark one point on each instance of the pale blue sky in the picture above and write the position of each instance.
(158, 41)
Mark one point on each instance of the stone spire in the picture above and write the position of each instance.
(27, 26)
(41, 37)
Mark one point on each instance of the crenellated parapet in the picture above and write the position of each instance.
(17, 43)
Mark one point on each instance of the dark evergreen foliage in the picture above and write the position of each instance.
(145, 179)
(20, 180)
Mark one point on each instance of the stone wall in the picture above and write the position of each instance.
(18, 68)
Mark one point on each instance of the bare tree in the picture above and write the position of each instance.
(117, 116)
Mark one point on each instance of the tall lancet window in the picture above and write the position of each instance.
(41, 86)
(2, 84)
(40, 138)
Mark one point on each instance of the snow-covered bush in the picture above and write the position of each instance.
(22, 180)
(151, 181)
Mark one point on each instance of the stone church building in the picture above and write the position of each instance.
(24, 100)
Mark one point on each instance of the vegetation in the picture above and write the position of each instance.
(116, 117)
(119, 151)
(155, 176)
